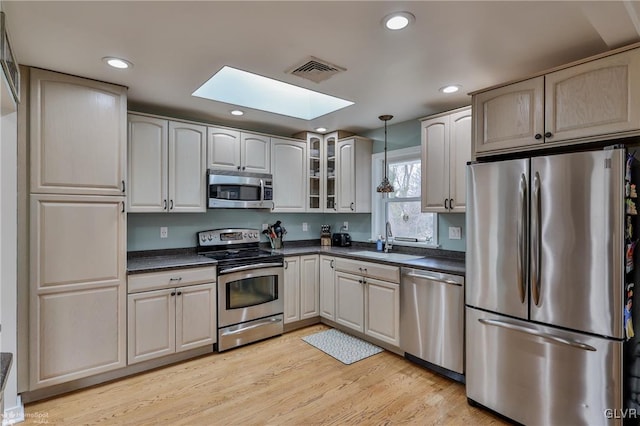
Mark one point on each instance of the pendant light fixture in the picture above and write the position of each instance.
(385, 186)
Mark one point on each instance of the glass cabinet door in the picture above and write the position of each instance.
(315, 171)
(330, 172)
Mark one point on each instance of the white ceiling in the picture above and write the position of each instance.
(177, 45)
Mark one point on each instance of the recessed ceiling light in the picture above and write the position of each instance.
(321, 129)
(242, 88)
(237, 112)
(450, 89)
(117, 62)
(398, 20)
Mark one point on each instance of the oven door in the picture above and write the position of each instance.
(249, 292)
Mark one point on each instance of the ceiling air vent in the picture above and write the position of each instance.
(315, 69)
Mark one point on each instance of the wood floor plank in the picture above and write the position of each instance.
(280, 381)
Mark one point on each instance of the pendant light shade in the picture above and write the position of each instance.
(385, 186)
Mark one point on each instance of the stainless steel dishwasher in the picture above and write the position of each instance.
(432, 320)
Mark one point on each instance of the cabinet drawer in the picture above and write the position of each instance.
(367, 269)
(168, 279)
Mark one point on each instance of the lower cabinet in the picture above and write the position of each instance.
(169, 320)
(368, 305)
(327, 287)
(301, 287)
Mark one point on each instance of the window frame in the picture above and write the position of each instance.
(378, 210)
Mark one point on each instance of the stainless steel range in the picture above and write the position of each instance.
(250, 286)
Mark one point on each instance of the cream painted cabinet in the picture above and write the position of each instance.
(167, 165)
(446, 149)
(77, 307)
(288, 162)
(321, 172)
(353, 175)
(164, 319)
(233, 150)
(327, 287)
(591, 101)
(365, 302)
(301, 287)
(77, 135)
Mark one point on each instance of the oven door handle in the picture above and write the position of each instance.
(248, 267)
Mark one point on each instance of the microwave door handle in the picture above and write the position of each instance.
(261, 190)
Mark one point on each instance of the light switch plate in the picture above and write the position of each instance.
(345, 226)
(305, 227)
(264, 226)
(164, 232)
(455, 233)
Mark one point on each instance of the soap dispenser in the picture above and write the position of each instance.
(379, 243)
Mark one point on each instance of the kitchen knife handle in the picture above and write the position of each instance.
(522, 229)
(535, 243)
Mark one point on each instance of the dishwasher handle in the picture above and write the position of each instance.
(432, 278)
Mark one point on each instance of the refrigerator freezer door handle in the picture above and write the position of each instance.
(538, 333)
(522, 226)
(535, 243)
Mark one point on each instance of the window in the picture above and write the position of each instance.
(402, 207)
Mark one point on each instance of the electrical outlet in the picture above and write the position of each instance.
(305, 227)
(345, 226)
(264, 226)
(164, 232)
(455, 233)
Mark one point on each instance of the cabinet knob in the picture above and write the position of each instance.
(538, 136)
(243, 167)
(238, 167)
(179, 293)
(548, 135)
(361, 282)
(173, 293)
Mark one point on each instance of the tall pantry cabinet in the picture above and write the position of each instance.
(77, 292)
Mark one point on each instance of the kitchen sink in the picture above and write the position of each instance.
(392, 257)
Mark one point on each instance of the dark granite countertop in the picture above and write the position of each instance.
(430, 259)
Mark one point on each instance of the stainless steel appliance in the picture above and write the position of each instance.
(243, 190)
(250, 286)
(341, 239)
(545, 285)
(432, 320)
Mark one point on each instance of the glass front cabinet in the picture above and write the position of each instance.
(322, 172)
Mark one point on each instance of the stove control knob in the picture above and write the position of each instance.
(255, 235)
(210, 237)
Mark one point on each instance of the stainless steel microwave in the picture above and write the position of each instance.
(239, 190)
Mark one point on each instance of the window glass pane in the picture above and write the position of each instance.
(407, 220)
(405, 178)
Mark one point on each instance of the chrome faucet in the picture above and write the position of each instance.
(387, 235)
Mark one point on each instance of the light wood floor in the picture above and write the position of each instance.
(280, 381)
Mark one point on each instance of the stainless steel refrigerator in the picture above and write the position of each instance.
(545, 287)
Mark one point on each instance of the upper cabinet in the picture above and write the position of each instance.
(78, 135)
(167, 165)
(321, 188)
(353, 175)
(446, 149)
(288, 159)
(594, 100)
(229, 149)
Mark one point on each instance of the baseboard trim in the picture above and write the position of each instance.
(15, 415)
(301, 324)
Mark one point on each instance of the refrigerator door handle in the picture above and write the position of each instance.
(535, 243)
(538, 333)
(522, 226)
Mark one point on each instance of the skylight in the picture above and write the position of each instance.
(243, 88)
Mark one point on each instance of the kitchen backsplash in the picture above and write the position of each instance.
(143, 229)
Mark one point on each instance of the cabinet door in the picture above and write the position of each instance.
(291, 289)
(459, 155)
(151, 324)
(223, 149)
(187, 167)
(596, 98)
(309, 286)
(327, 288)
(78, 135)
(510, 116)
(328, 175)
(147, 164)
(345, 176)
(195, 316)
(288, 161)
(77, 295)
(382, 309)
(350, 301)
(256, 153)
(435, 164)
(316, 173)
